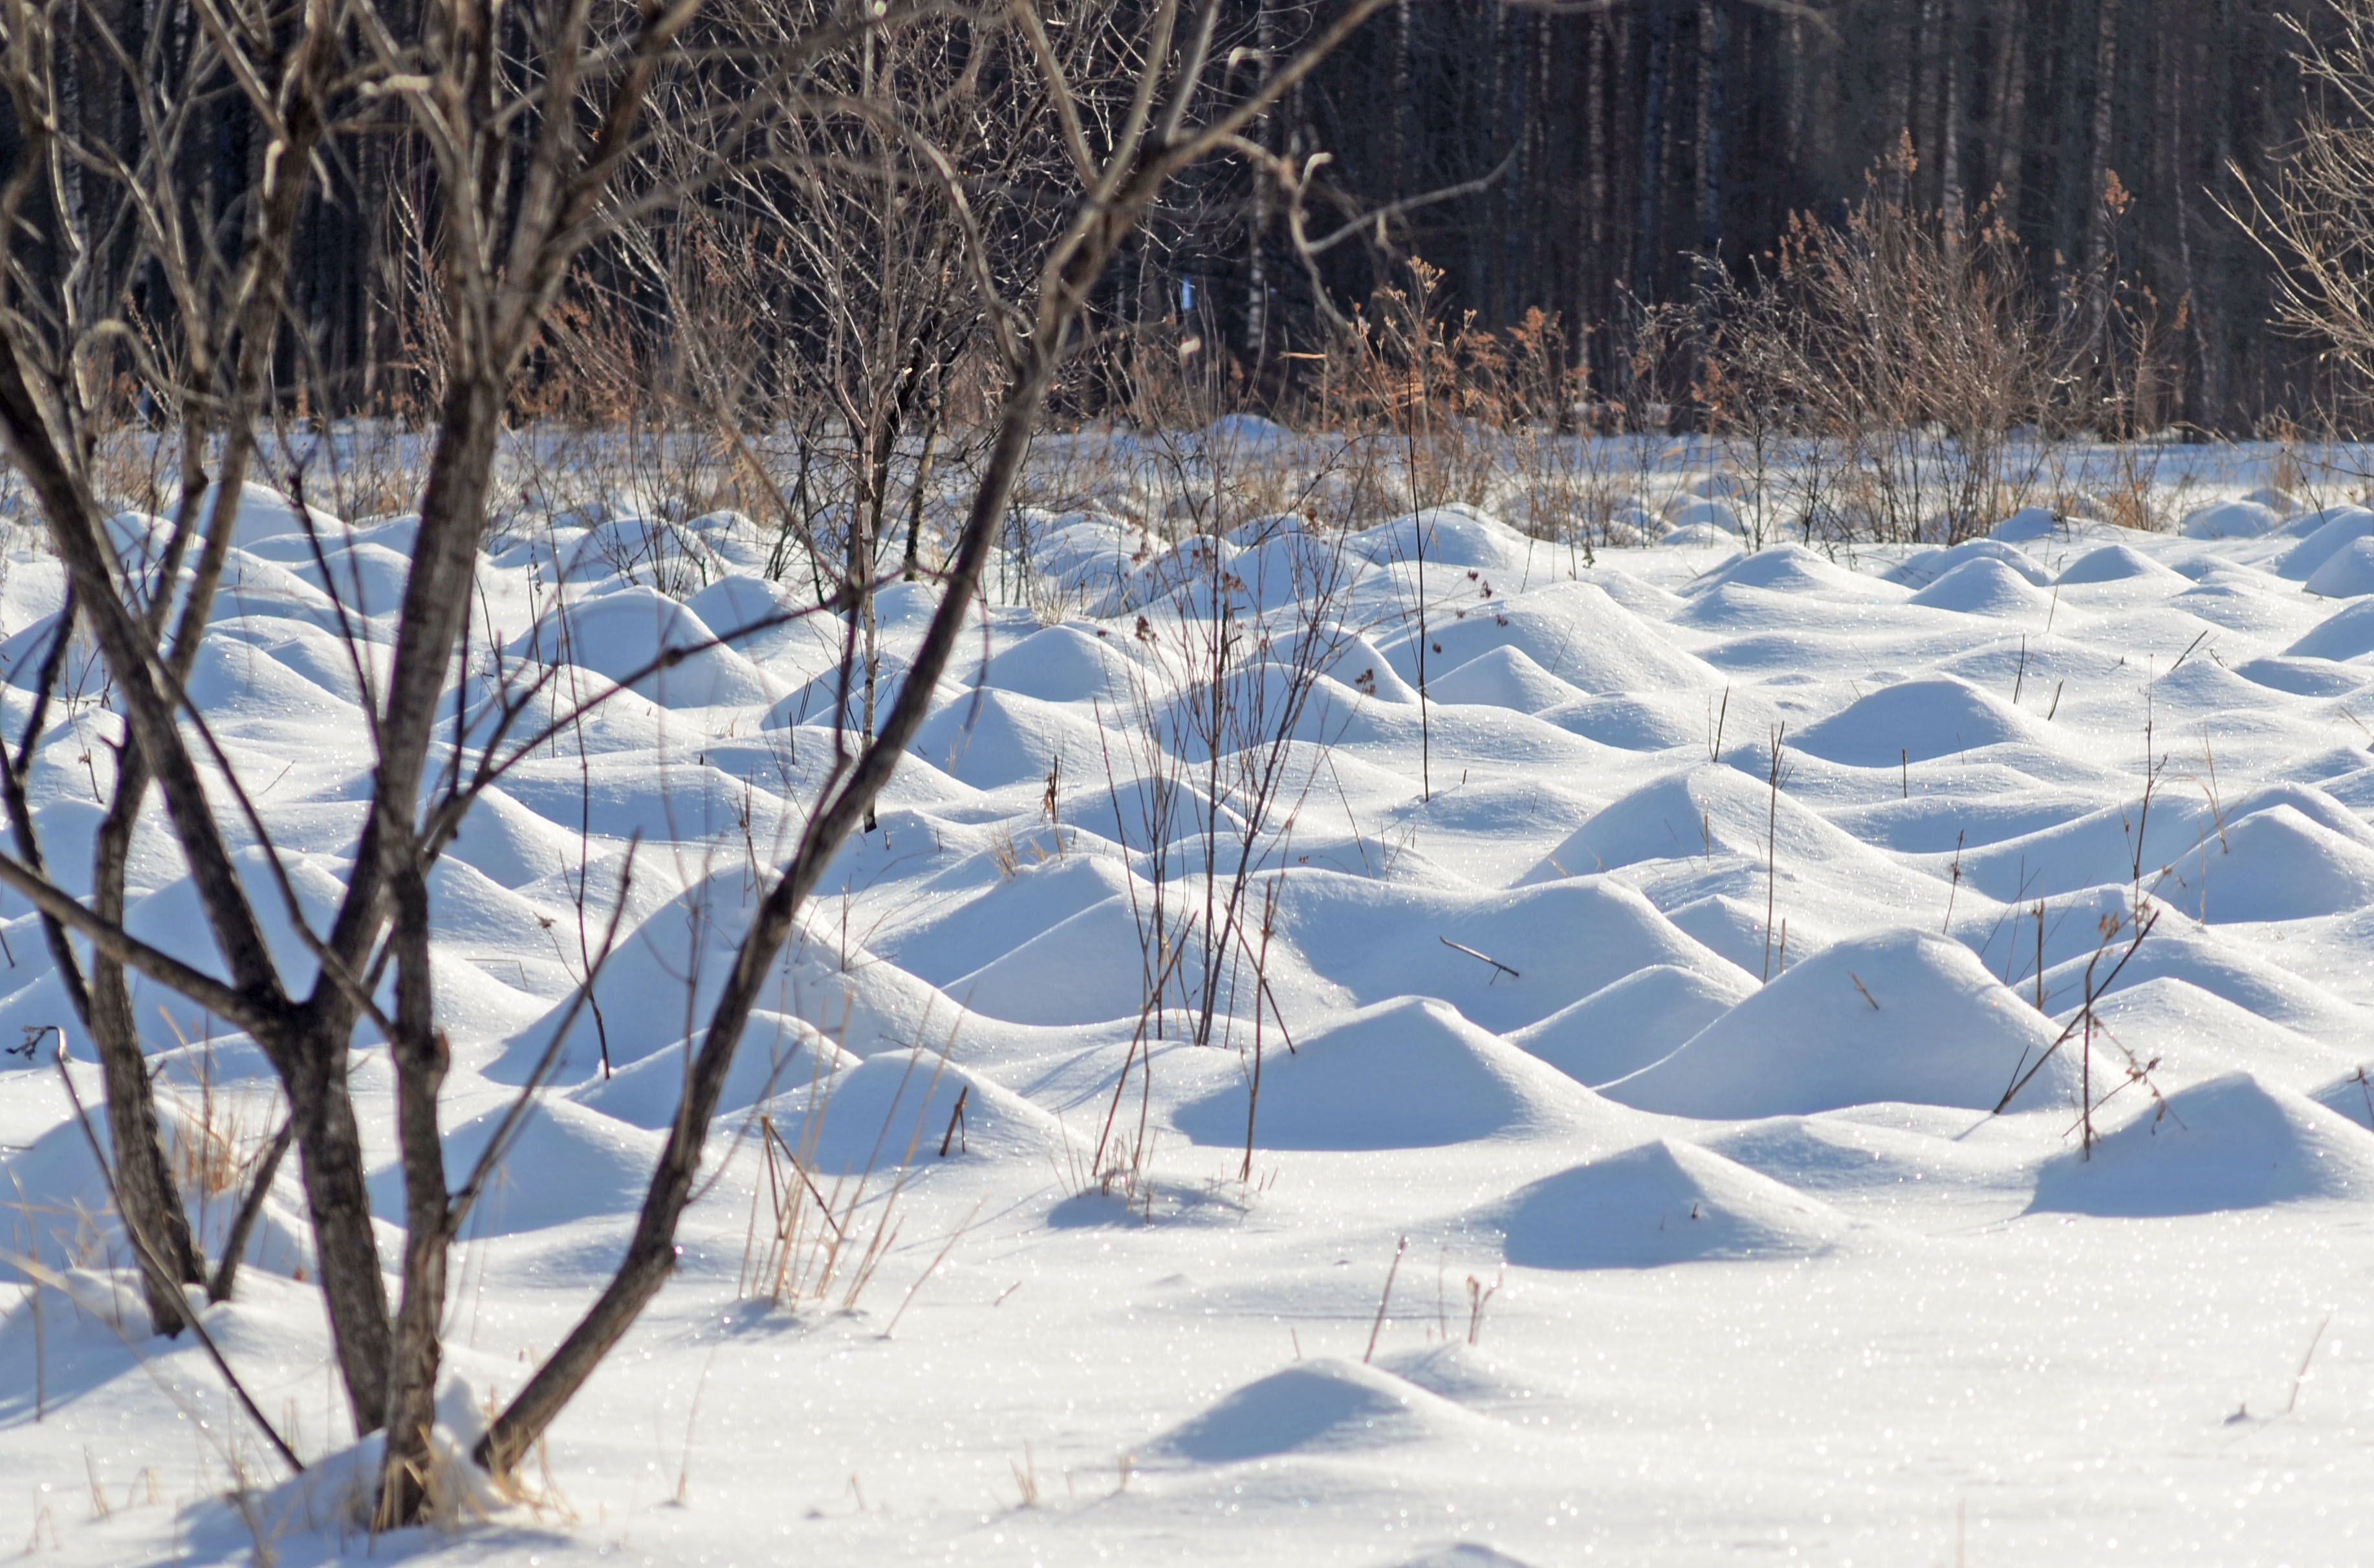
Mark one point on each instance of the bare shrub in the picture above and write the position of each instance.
(1915, 343)
(2316, 218)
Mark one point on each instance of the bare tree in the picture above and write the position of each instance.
(539, 128)
(2315, 216)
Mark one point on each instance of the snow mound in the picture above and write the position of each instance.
(1698, 535)
(777, 1054)
(233, 675)
(2347, 573)
(1004, 738)
(1902, 1017)
(2116, 564)
(2232, 1142)
(1850, 1155)
(2100, 849)
(622, 634)
(2302, 677)
(1711, 810)
(1185, 572)
(1470, 1378)
(1089, 967)
(25, 651)
(960, 934)
(2343, 635)
(1649, 722)
(1404, 1074)
(1982, 587)
(2027, 522)
(1347, 658)
(1640, 1018)
(2343, 526)
(1464, 1554)
(2352, 1094)
(1454, 537)
(1504, 678)
(368, 577)
(2275, 865)
(736, 606)
(2229, 520)
(2201, 958)
(1925, 567)
(900, 1108)
(265, 513)
(672, 964)
(1063, 664)
(1573, 631)
(1916, 720)
(566, 1162)
(2194, 1034)
(1786, 568)
(1661, 1202)
(1706, 512)
(64, 1211)
(513, 846)
(1734, 928)
(1564, 937)
(815, 703)
(1316, 1406)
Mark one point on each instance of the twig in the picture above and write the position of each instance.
(944, 1249)
(1384, 1301)
(1487, 958)
(2301, 1376)
(155, 1267)
(955, 1119)
(250, 1210)
(1772, 846)
(1952, 892)
(2144, 924)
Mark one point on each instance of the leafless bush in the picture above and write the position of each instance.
(1915, 345)
(2316, 219)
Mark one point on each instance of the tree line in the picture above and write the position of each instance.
(1590, 159)
(1597, 159)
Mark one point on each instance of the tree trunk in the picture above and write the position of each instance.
(1652, 154)
(2010, 103)
(421, 1057)
(345, 1250)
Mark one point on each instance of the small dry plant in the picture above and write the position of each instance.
(1913, 345)
(804, 1239)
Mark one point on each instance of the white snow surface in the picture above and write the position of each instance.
(1647, 945)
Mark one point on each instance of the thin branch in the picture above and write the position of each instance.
(162, 1276)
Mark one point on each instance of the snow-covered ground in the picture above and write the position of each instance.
(1630, 1017)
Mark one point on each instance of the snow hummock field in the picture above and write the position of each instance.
(1704, 1242)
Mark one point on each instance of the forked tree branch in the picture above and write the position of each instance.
(1078, 258)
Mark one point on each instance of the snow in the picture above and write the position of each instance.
(1661, 1202)
(1660, 1083)
(1826, 1035)
(2232, 1142)
(2347, 574)
(2229, 520)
